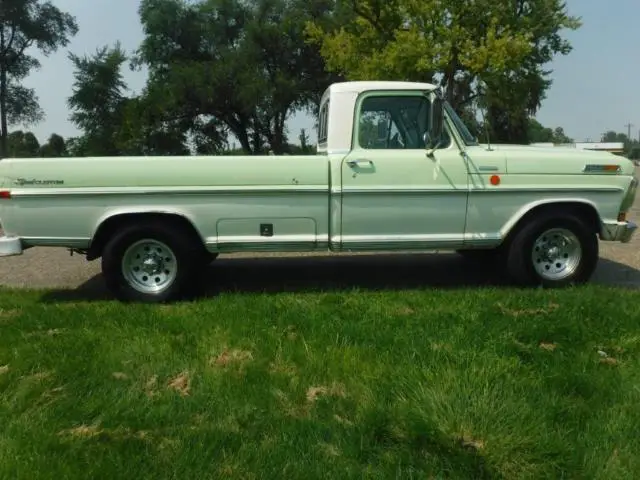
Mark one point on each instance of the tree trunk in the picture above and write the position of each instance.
(3, 104)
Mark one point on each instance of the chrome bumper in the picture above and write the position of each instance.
(10, 246)
(618, 231)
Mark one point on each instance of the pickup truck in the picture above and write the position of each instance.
(396, 169)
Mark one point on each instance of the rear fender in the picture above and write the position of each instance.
(97, 238)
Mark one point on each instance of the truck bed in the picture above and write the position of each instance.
(234, 202)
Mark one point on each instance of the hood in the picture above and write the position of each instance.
(530, 159)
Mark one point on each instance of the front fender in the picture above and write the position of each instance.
(538, 205)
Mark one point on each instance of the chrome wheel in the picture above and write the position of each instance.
(556, 254)
(149, 266)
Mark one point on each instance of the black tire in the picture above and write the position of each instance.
(184, 252)
(521, 267)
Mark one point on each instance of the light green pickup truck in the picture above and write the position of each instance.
(395, 170)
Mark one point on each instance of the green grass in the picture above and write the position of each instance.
(469, 384)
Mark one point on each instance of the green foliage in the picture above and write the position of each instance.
(631, 145)
(97, 101)
(145, 130)
(112, 123)
(227, 66)
(23, 144)
(303, 147)
(55, 147)
(26, 25)
(538, 133)
(22, 107)
(489, 50)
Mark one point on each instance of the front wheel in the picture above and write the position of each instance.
(151, 263)
(553, 251)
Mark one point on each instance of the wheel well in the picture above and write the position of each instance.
(112, 224)
(579, 209)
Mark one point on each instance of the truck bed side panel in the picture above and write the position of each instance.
(235, 203)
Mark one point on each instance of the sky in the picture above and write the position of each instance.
(595, 88)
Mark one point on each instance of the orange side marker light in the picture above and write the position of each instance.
(495, 180)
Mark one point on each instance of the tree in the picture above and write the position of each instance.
(22, 145)
(26, 24)
(488, 50)
(560, 137)
(97, 101)
(229, 66)
(304, 141)
(55, 147)
(146, 129)
(629, 144)
(113, 123)
(537, 133)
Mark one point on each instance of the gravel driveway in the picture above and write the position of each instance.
(73, 275)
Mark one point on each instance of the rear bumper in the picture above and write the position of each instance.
(618, 231)
(10, 246)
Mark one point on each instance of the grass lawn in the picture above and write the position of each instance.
(469, 384)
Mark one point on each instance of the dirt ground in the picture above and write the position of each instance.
(73, 276)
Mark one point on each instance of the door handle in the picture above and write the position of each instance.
(356, 163)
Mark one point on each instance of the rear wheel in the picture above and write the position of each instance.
(553, 251)
(151, 262)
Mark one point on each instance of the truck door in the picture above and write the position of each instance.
(393, 194)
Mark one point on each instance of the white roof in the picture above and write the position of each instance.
(600, 145)
(359, 86)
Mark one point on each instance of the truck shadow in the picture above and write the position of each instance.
(338, 273)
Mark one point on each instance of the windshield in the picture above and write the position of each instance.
(467, 138)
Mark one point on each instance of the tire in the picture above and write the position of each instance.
(553, 250)
(174, 255)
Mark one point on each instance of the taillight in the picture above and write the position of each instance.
(6, 194)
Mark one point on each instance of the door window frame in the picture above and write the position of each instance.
(355, 138)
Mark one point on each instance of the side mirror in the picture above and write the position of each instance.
(436, 122)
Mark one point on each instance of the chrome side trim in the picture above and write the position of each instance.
(500, 189)
(285, 243)
(464, 190)
(197, 190)
(416, 242)
(403, 190)
(284, 190)
(349, 242)
(70, 242)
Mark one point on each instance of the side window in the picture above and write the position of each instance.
(395, 122)
(323, 122)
